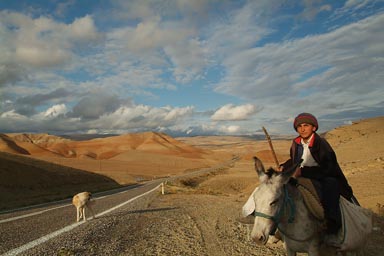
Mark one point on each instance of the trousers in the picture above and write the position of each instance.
(330, 197)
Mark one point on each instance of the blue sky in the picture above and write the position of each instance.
(188, 67)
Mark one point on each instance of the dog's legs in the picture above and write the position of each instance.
(91, 210)
(84, 217)
(78, 214)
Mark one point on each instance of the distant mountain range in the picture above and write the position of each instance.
(92, 146)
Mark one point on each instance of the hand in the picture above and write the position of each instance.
(297, 172)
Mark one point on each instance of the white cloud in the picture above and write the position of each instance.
(313, 8)
(156, 44)
(176, 113)
(83, 29)
(136, 117)
(231, 112)
(40, 56)
(231, 129)
(55, 111)
(95, 105)
(34, 43)
(153, 34)
(123, 119)
(240, 29)
(356, 3)
(188, 58)
(171, 9)
(165, 34)
(92, 131)
(258, 52)
(349, 58)
(12, 114)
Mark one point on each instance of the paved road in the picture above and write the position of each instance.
(30, 227)
(27, 228)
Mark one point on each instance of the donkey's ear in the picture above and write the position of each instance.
(286, 174)
(259, 167)
(250, 205)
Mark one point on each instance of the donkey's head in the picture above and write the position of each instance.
(269, 200)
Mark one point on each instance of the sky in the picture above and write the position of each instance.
(186, 68)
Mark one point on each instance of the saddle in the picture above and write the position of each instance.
(356, 221)
(311, 198)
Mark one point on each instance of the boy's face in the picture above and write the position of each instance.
(305, 130)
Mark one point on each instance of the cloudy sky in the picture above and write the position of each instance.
(188, 67)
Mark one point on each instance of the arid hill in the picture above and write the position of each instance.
(199, 215)
(26, 181)
(360, 151)
(127, 158)
(100, 148)
(133, 158)
(359, 148)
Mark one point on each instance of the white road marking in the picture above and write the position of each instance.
(32, 214)
(45, 238)
(40, 212)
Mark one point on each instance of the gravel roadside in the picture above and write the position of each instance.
(171, 224)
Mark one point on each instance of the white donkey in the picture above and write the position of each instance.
(81, 201)
(279, 205)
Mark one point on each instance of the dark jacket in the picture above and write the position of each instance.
(324, 155)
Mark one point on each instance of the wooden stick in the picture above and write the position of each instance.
(271, 146)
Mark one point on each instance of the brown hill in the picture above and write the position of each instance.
(359, 148)
(8, 145)
(56, 168)
(131, 158)
(126, 158)
(362, 141)
(26, 181)
(101, 148)
(29, 144)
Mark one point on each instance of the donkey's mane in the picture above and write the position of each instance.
(271, 172)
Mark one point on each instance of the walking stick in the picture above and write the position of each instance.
(271, 146)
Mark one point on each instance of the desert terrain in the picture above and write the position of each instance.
(198, 215)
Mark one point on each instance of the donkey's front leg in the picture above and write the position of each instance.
(315, 251)
(290, 252)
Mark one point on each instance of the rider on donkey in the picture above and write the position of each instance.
(319, 164)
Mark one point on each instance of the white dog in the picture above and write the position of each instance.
(82, 201)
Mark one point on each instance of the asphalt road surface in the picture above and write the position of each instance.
(25, 229)
(29, 231)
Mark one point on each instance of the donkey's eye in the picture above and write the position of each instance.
(274, 202)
